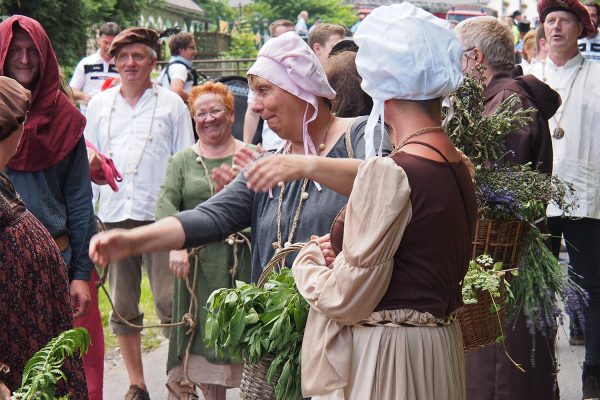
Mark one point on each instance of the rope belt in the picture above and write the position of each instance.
(372, 323)
(189, 319)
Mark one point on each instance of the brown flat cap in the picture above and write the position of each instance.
(15, 101)
(133, 35)
(545, 7)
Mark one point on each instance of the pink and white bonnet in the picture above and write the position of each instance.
(288, 62)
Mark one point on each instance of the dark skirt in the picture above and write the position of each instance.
(34, 293)
(491, 375)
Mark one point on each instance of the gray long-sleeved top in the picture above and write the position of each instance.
(236, 207)
(61, 198)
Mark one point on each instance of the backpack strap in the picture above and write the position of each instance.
(192, 74)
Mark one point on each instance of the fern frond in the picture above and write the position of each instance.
(42, 372)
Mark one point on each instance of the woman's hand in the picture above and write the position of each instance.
(222, 176)
(326, 249)
(95, 165)
(269, 171)
(179, 263)
(112, 245)
(245, 156)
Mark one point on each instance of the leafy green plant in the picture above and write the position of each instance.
(42, 371)
(243, 45)
(249, 323)
(486, 275)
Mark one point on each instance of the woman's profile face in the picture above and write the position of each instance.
(282, 111)
(213, 120)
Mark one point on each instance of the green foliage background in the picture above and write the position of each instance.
(331, 11)
(70, 22)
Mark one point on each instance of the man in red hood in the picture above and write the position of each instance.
(50, 172)
(489, 43)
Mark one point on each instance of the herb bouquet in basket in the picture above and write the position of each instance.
(263, 326)
(512, 201)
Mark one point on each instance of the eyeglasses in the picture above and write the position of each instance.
(191, 47)
(204, 115)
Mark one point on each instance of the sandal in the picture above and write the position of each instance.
(182, 391)
(136, 393)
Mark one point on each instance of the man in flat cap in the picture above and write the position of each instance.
(139, 125)
(576, 148)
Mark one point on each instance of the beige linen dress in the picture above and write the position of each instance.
(342, 359)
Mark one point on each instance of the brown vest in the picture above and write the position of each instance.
(433, 255)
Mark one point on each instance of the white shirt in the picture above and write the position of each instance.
(140, 152)
(301, 28)
(176, 71)
(577, 154)
(91, 73)
(270, 140)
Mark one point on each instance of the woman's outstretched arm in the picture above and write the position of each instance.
(117, 244)
(335, 173)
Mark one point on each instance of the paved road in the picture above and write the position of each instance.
(116, 383)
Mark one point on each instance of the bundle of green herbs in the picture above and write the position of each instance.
(486, 275)
(509, 191)
(250, 322)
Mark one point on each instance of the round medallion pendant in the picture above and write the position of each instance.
(558, 133)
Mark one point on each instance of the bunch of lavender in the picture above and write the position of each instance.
(540, 283)
(516, 191)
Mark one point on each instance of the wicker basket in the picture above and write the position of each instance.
(479, 324)
(254, 385)
(501, 240)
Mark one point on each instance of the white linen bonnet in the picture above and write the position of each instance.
(405, 53)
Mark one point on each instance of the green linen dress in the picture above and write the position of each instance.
(185, 186)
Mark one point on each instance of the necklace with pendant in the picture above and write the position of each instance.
(303, 197)
(559, 132)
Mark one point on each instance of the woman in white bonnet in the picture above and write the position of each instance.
(382, 324)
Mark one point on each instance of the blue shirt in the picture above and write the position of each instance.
(61, 198)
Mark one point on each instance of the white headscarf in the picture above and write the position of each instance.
(405, 53)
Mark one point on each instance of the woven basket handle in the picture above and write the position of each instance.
(280, 254)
